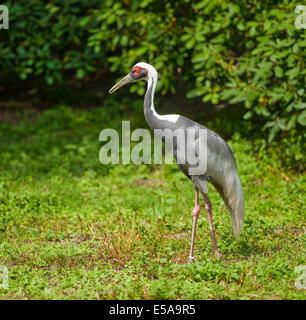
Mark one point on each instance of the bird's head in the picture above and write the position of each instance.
(140, 71)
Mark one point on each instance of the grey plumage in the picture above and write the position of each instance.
(219, 169)
(221, 164)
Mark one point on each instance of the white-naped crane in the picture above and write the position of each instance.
(220, 170)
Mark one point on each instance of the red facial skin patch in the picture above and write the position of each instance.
(139, 72)
(137, 69)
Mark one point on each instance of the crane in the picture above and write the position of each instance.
(221, 170)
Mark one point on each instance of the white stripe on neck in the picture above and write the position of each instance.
(168, 117)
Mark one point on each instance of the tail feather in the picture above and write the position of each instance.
(233, 197)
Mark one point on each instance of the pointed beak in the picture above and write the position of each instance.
(121, 83)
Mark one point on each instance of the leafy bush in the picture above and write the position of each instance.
(46, 39)
(241, 52)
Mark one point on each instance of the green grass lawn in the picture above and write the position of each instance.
(72, 228)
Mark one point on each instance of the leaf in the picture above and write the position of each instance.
(302, 43)
(192, 93)
(248, 115)
(124, 41)
(80, 73)
(49, 79)
(282, 53)
(291, 60)
(215, 98)
(300, 105)
(302, 118)
(273, 132)
(238, 98)
(190, 43)
(51, 64)
(227, 93)
(23, 75)
(278, 71)
(84, 21)
(240, 26)
(251, 96)
(281, 123)
(111, 19)
(291, 123)
(207, 97)
(293, 72)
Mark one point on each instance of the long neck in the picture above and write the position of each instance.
(152, 117)
(155, 120)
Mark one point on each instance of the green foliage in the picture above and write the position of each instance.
(47, 38)
(71, 228)
(241, 52)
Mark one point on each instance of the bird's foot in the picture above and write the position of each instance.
(218, 254)
(191, 260)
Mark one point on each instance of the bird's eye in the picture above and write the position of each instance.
(136, 70)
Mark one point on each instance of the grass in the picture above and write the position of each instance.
(72, 228)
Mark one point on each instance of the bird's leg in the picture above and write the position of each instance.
(208, 208)
(195, 214)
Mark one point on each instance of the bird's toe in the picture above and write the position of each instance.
(218, 254)
(191, 260)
